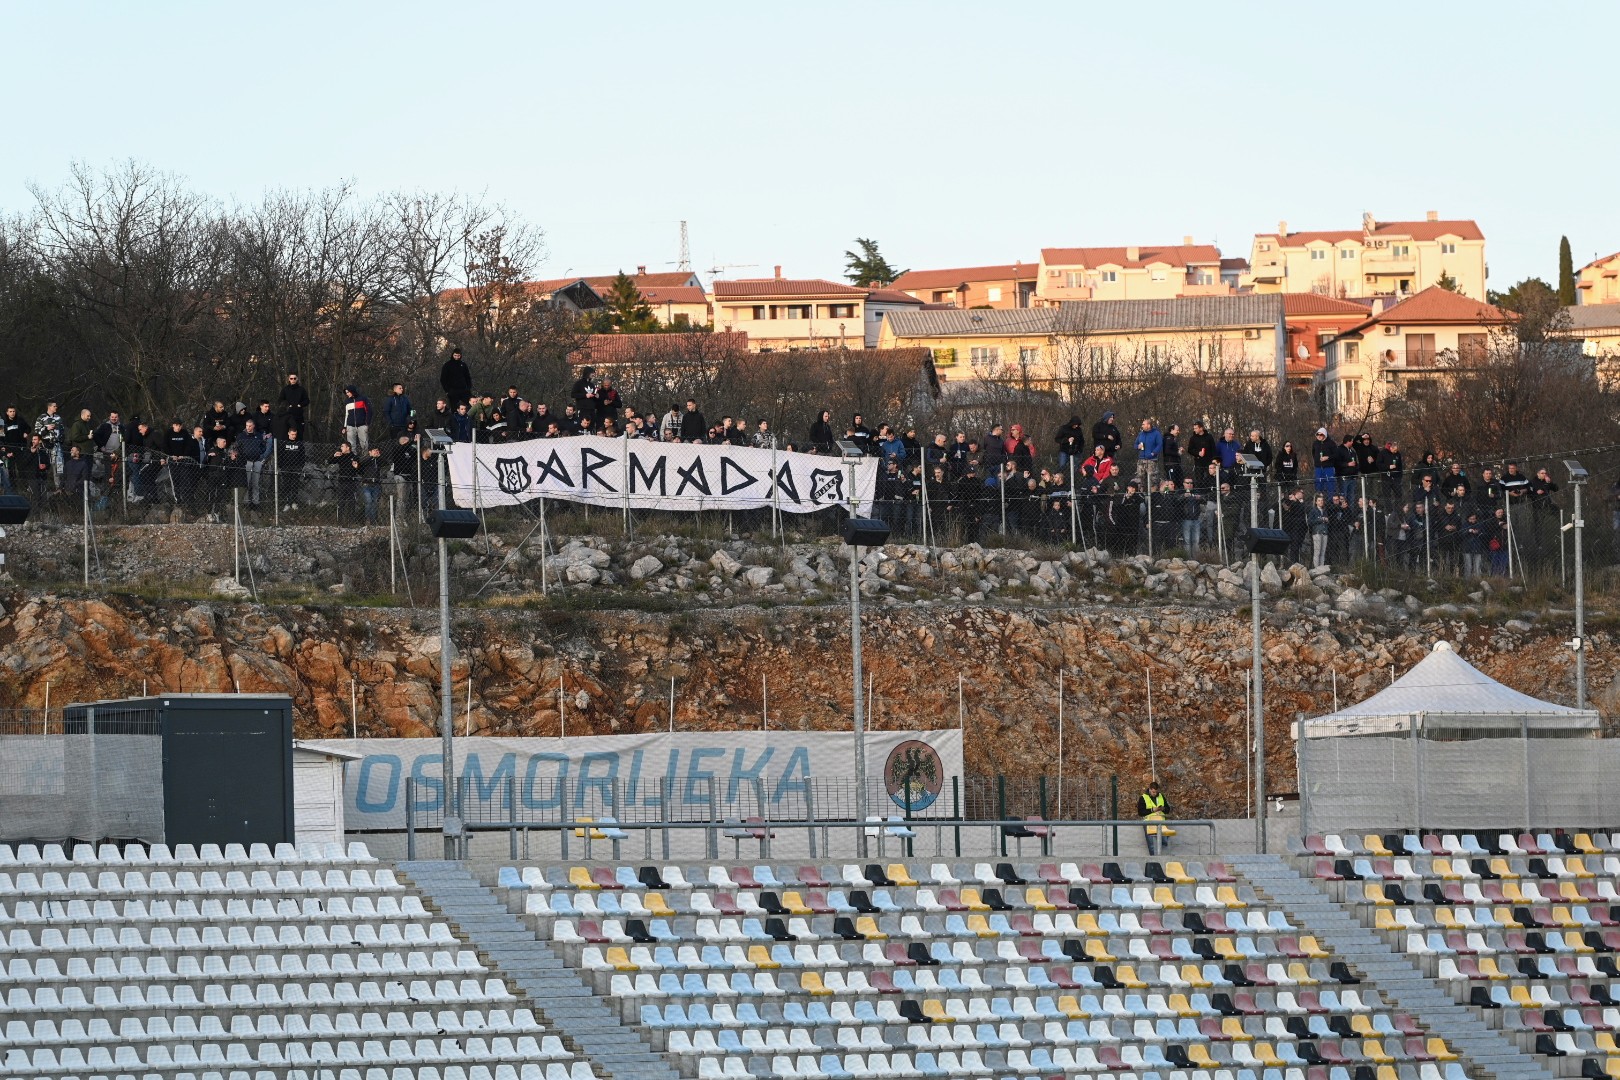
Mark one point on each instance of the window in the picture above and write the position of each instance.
(1400, 251)
(985, 355)
(994, 292)
(757, 312)
(1471, 348)
(1074, 279)
(1421, 389)
(840, 311)
(1352, 351)
(1029, 355)
(1156, 274)
(1419, 350)
(1110, 276)
(1352, 393)
(1265, 247)
(1153, 352)
(1448, 249)
(1203, 277)
(1318, 254)
(795, 311)
(1347, 253)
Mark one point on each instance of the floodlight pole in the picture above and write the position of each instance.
(447, 722)
(855, 657)
(1580, 602)
(1259, 683)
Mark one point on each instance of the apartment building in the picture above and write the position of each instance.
(780, 313)
(1408, 349)
(1312, 322)
(1100, 340)
(1598, 282)
(1383, 258)
(1161, 272)
(1008, 286)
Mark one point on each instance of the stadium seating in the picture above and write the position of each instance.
(1525, 927)
(218, 963)
(989, 969)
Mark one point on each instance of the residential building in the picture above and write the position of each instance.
(1598, 282)
(1382, 258)
(1101, 340)
(676, 298)
(1407, 349)
(573, 295)
(805, 313)
(1008, 286)
(1160, 272)
(1597, 328)
(609, 353)
(1312, 321)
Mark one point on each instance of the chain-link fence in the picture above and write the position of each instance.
(81, 773)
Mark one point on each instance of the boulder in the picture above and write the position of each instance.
(645, 567)
(758, 576)
(725, 563)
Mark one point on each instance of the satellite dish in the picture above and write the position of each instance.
(1302, 352)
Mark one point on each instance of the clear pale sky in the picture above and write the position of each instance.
(953, 133)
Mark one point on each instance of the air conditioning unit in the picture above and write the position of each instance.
(1391, 331)
(1252, 334)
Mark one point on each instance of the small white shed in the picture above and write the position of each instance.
(318, 788)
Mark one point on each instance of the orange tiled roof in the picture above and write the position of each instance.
(1463, 229)
(1173, 254)
(785, 288)
(1435, 305)
(675, 294)
(951, 277)
(891, 295)
(1312, 304)
(643, 282)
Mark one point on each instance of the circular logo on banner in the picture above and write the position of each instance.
(913, 775)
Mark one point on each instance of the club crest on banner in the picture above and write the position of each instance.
(826, 486)
(512, 475)
(913, 775)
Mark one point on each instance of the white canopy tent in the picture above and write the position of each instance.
(1446, 697)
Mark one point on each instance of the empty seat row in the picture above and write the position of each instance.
(258, 995)
(160, 938)
(101, 912)
(208, 1026)
(60, 885)
(306, 853)
(1079, 1064)
(22, 971)
(1490, 843)
(1576, 868)
(46, 1060)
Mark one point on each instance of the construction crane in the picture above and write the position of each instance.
(715, 270)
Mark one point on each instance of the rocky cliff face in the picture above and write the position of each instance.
(1107, 635)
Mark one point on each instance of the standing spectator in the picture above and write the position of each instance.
(821, 433)
(51, 429)
(1366, 455)
(1191, 512)
(669, 428)
(14, 438)
(763, 438)
(397, 411)
(585, 395)
(371, 478)
(75, 475)
(461, 424)
(1455, 484)
(1173, 471)
(1149, 451)
(253, 450)
(294, 403)
(1099, 465)
(1227, 450)
(1200, 451)
(144, 446)
(183, 457)
(1430, 467)
(1543, 515)
(356, 418)
(265, 419)
(1393, 466)
(81, 433)
(39, 464)
(443, 415)
(290, 467)
(1070, 442)
(1496, 542)
(862, 436)
(1474, 541)
(1106, 432)
(1019, 448)
(1256, 448)
(1324, 455)
(1344, 465)
(1316, 523)
(995, 451)
(345, 466)
(455, 379)
(694, 429)
(1286, 465)
(608, 401)
(1294, 524)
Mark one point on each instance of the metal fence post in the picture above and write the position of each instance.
(123, 478)
(275, 480)
(236, 533)
(666, 792)
(85, 488)
(1304, 775)
(1113, 807)
(956, 812)
(410, 817)
(1074, 509)
(1001, 809)
(511, 804)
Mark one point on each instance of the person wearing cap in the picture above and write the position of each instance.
(1152, 807)
(1323, 456)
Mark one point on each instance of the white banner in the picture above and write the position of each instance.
(601, 772)
(646, 475)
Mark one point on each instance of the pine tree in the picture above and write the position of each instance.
(869, 268)
(626, 310)
(1566, 273)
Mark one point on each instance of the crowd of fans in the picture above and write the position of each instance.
(1154, 490)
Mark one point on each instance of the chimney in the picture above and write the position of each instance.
(641, 271)
(1434, 215)
(1133, 253)
(1282, 228)
(1186, 241)
(778, 273)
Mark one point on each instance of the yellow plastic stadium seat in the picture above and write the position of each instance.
(1165, 897)
(1198, 1054)
(1583, 844)
(1384, 919)
(1604, 1042)
(1386, 1072)
(1193, 976)
(1489, 970)
(1373, 1050)
(1265, 1055)
(1444, 916)
(1086, 923)
(596, 834)
(1444, 869)
(867, 927)
(1228, 897)
(1521, 996)
(1577, 866)
(1226, 950)
(1374, 844)
(1373, 893)
(619, 960)
(973, 901)
(580, 878)
(1511, 893)
(656, 904)
(760, 957)
(1070, 1007)
(1036, 898)
(1179, 1004)
(1612, 1067)
(976, 924)
(1097, 950)
(1438, 1049)
(1361, 1025)
(1504, 915)
(1503, 869)
(795, 904)
(1568, 890)
(810, 983)
(935, 1011)
(1576, 943)
(1178, 874)
(1232, 1028)
(1311, 947)
(1301, 974)
(900, 875)
(1126, 974)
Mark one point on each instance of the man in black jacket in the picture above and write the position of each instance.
(1200, 452)
(294, 403)
(455, 379)
(1106, 432)
(694, 429)
(1070, 442)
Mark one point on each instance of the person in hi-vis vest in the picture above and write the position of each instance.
(1151, 806)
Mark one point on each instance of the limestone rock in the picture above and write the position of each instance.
(645, 567)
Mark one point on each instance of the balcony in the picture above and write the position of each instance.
(1216, 288)
(1374, 262)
